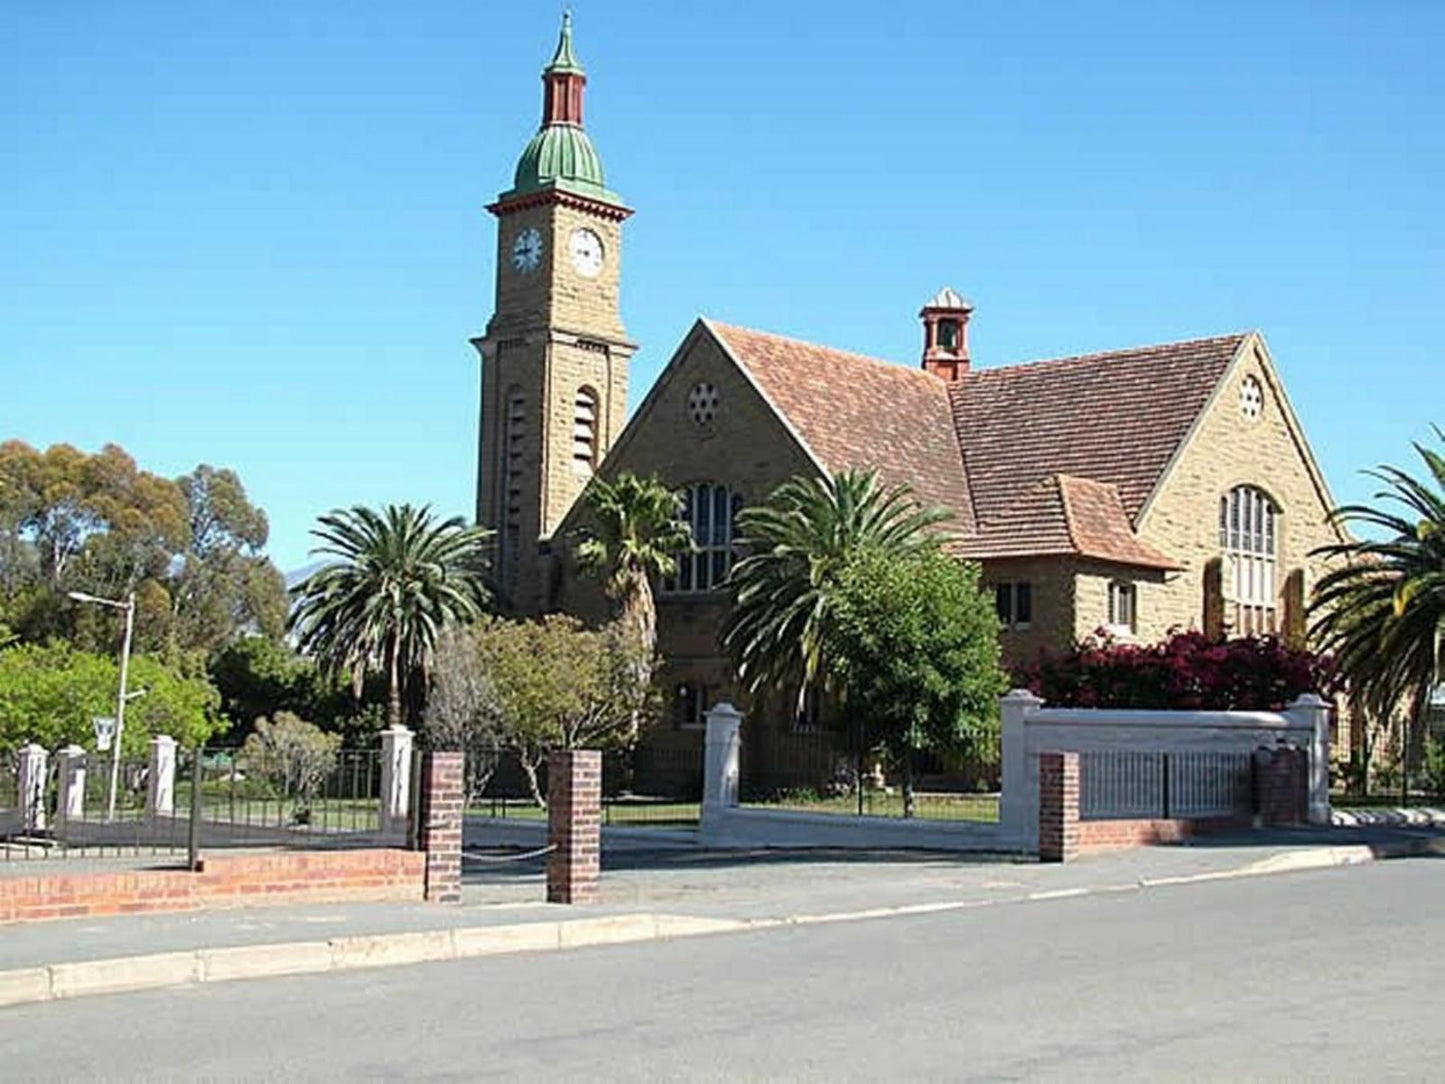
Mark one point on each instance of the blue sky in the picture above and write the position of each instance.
(253, 234)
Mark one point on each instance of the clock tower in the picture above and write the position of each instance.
(555, 354)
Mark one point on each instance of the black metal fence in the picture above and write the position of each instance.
(645, 787)
(1140, 785)
(821, 771)
(234, 797)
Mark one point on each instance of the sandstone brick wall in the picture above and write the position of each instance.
(1091, 599)
(242, 880)
(554, 333)
(1228, 450)
(746, 448)
(1054, 621)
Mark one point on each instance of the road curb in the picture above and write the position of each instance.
(124, 974)
(207, 965)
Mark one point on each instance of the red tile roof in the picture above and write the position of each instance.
(856, 411)
(1099, 526)
(1115, 417)
(1058, 456)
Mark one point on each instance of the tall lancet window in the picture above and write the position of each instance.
(1248, 534)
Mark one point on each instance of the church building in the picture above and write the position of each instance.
(1133, 491)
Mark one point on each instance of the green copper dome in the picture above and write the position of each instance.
(560, 155)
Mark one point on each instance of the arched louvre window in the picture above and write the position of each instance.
(712, 511)
(1248, 535)
(584, 433)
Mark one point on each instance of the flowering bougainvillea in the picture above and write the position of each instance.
(1187, 670)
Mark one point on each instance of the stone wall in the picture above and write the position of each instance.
(1054, 614)
(1228, 450)
(746, 448)
(554, 333)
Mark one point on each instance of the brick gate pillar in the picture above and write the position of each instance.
(1058, 807)
(440, 835)
(574, 826)
(1283, 786)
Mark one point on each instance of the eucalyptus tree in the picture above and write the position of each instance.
(397, 578)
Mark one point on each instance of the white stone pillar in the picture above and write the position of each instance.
(1018, 804)
(723, 753)
(161, 780)
(396, 750)
(70, 771)
(1311, 712)
(31, 781)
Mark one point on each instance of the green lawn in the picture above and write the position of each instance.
(641, 813)
(218, 806)
(943, 807)
(631, 812)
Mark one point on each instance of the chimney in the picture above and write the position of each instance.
(945, 334)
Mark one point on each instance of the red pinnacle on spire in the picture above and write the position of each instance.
(563, 80)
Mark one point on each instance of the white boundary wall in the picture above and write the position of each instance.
(1030, 728)
(725, 824)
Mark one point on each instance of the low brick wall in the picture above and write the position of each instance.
(1119, 834)
(223, 881)
(1282, 779)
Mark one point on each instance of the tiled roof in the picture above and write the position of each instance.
(1115, 417)
(1099, 526)
(1058, 456)
(856, 411)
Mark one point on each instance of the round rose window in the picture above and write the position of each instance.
(1251, 399)
(702, 404)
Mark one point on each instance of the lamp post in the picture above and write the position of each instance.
(128, 606)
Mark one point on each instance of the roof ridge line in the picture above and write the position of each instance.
(896, 366)
(1096, 355)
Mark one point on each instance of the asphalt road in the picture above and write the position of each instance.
(1336, 974)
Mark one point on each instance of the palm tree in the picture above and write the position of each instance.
(1382, 612)
(399, 578)
(800, 541)
(637, 533)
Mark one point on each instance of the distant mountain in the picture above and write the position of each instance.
(297, 575)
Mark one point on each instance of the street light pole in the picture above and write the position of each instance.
(129, 607)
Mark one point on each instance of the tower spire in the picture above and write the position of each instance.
(563, 80)
(564, 59)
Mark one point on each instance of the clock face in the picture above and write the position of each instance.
(586, 250)
(527, 250)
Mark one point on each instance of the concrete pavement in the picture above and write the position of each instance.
(1328, 974)
(648, 896)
